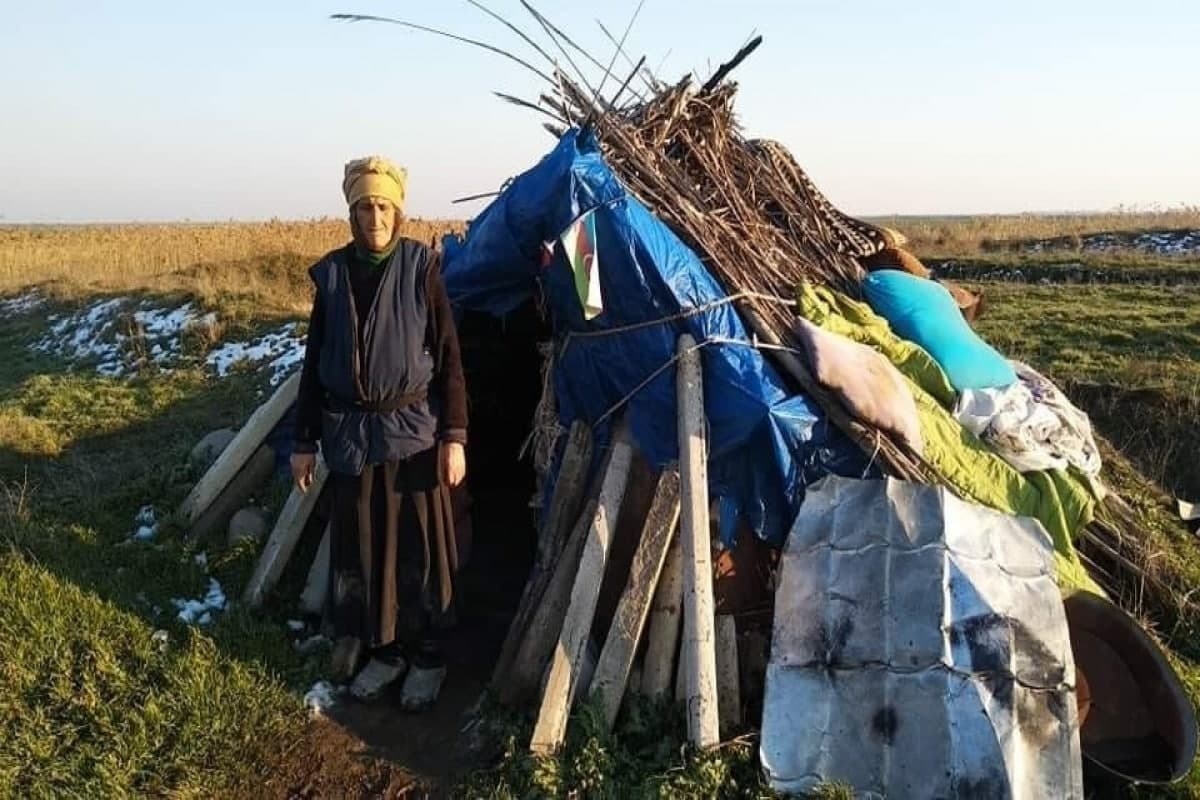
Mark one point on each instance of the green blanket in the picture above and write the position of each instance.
(1061, 500)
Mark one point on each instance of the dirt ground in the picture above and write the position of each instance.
(374, 750)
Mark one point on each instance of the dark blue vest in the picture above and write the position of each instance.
(378, 407)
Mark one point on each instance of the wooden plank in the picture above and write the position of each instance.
(569, 491)
(551, 725)
(729, 694)
(283, 538)
(666, 616)
(247, 483)
(239, 451)
(698, 619)
(540, 636)
(316, 587)
(616, 659)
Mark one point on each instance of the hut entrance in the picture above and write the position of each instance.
(503, 372)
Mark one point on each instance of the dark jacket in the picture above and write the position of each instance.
(382, 377)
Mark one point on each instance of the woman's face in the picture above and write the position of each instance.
(376, 220)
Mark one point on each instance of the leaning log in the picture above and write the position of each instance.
(316, 587)
(616, 658)
(662, 641)
(569, 489)
(729, 694)
(551, 724)
(239, 451)
(284, 536)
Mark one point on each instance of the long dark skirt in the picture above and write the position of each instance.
(393, 555)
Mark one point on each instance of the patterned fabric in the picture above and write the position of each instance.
(1031, 424)
(853, 237)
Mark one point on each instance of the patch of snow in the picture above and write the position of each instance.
(82, 335)
(145, 523)
(201, 560)
(295, 625)
(145, 533)
(283, 350)
(92, 334)
(199, 612)
(21, 304)
(321, 697)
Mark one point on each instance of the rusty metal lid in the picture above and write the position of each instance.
(1140, 724)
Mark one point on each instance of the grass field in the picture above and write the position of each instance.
(94, 704)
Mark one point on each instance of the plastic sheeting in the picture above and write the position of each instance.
(920, 649)
(765, 444)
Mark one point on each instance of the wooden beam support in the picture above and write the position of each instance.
(540, 636)
(239, 451)
(616, 658)
(729, 692)
(316, 587)
(666, 616)
(569, 489)
(551, 726)
(284, 536)
(698, 622)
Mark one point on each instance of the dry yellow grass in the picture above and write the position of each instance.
(245, 268)
(969, 235)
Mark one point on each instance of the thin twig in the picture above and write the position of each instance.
(515, 29)
(516, 101)
(554, 35)
(436, 32)
(613, 61)
(652, 83)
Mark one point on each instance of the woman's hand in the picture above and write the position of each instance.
(303, 466)
(454, 464)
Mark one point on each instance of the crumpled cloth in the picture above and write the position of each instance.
(1064, 501)
(1031, 424)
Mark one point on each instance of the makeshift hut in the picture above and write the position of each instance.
(717, 338)
(653, 237)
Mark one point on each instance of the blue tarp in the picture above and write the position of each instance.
(765, 444)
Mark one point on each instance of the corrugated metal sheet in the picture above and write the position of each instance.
(920, 650)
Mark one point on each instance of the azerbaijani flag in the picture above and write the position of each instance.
(579, 243)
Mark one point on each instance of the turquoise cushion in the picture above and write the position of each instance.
(923, 312)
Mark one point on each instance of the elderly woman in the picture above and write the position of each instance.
(382, 391)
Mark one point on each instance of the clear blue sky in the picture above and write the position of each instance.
(247, 110)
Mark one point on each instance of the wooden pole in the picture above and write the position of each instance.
(239, 451)
(698, 641)
(283, 538)
(540, 636)
(551, 724)
(616, 658)
(569, 489)
(312, 599)
(729, 693)
(658, 672)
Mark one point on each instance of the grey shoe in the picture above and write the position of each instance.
(422, 686)
(375, 677)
